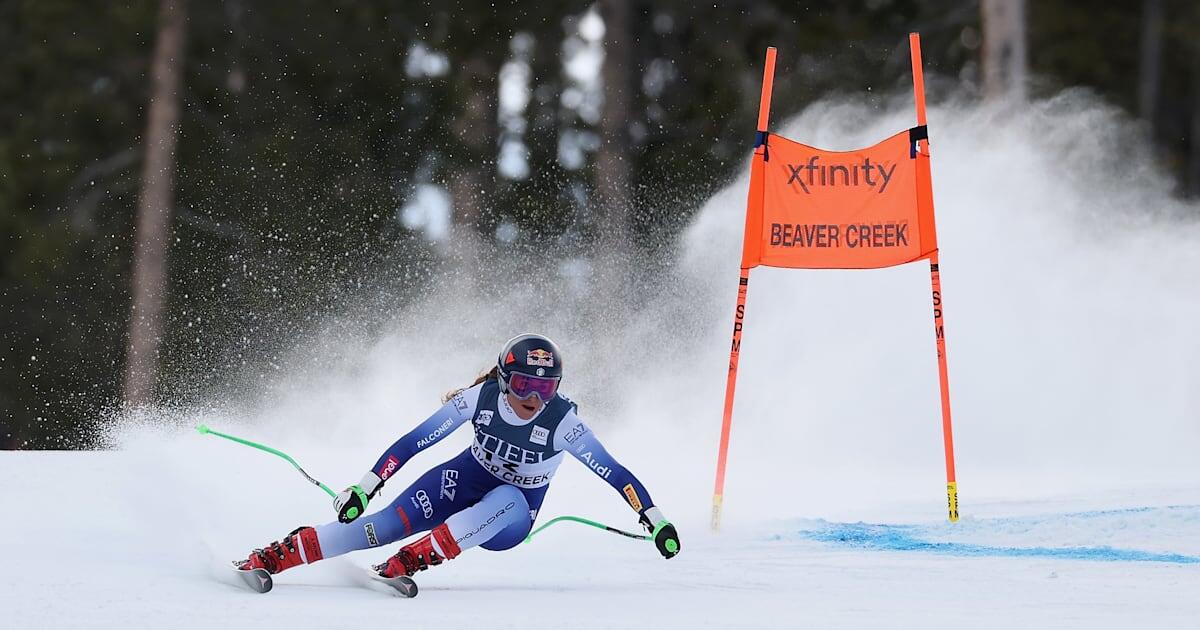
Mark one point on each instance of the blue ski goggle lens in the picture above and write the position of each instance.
(523, 386)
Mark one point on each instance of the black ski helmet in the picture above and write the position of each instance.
(529, 354)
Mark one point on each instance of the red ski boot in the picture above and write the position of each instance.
(421, 554)
(299, 547)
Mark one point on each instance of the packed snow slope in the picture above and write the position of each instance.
(115, 540)
(1070, 281)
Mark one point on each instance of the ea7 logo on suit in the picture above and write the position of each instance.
(449, 483)
(575, 433)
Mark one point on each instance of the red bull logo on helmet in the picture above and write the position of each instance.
(540, 358)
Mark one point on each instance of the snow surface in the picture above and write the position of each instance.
(1070, 281)
(110, 550)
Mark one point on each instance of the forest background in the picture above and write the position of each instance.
(187, 188)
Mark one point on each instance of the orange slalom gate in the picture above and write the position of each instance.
(808, 208)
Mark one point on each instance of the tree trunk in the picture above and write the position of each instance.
(1192, 176)
(154, 206)
(1005, 62)
(475, 131)
(1150, 66)
(614, 199)
(8, 440)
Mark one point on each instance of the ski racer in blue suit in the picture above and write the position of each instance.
(487, 496)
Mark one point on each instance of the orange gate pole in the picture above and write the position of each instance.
(914, 44)
(751, 237)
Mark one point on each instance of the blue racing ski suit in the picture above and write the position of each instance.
(490, 494)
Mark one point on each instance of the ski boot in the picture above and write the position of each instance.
(299, 547)
(420, 554)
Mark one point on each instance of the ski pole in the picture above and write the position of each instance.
(585, 521)
(204, 430)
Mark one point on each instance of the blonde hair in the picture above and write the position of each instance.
(492, 374)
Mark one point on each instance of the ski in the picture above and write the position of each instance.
(403, 585)
(257, 580)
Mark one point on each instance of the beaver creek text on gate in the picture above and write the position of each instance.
(850, 235)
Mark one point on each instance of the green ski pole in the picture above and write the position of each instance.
(204, 430)
(585, 521)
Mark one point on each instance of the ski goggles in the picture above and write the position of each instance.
(523, 386)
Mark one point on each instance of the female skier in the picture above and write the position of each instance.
(487, 496)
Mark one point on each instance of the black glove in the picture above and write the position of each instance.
(352, 502)
(662, 531)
